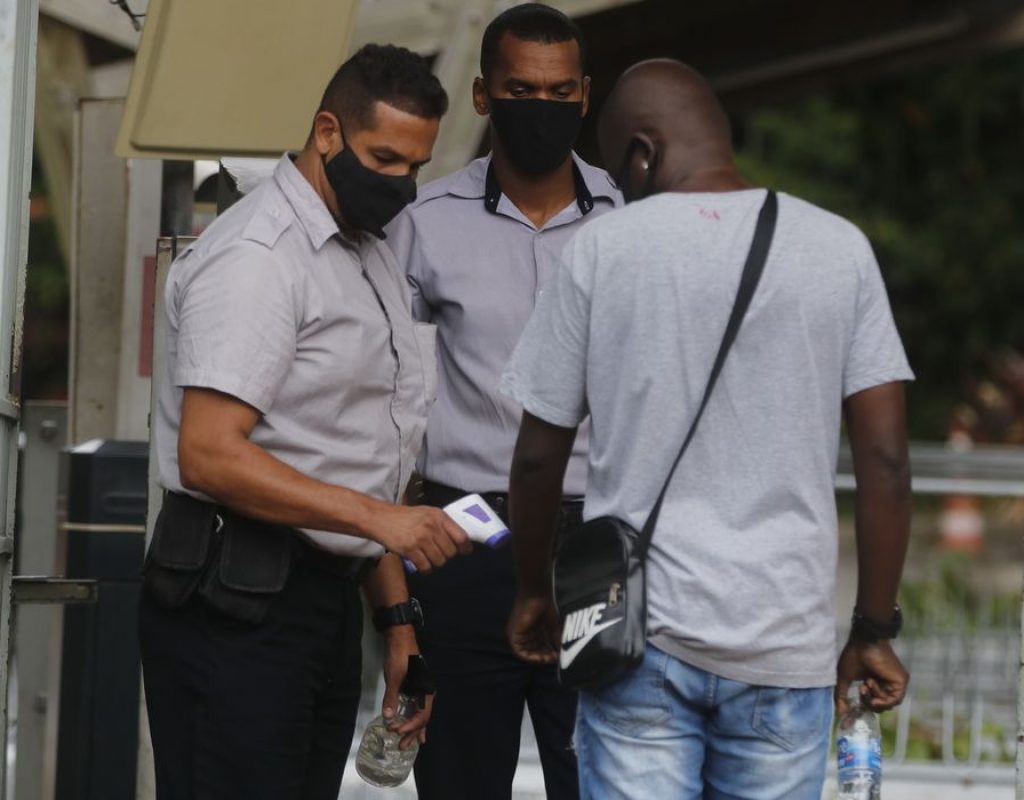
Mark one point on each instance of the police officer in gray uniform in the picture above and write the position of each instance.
(479, 247)
(289, 420)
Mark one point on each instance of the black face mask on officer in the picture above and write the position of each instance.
(368, 200)
(624, 181)
(537, 134)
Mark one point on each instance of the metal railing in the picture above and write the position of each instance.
(965, 659)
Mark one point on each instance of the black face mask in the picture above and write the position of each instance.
(623, 180)
(537, 134)
(367, 199)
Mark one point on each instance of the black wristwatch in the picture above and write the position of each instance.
(408, 613)
(867, 630)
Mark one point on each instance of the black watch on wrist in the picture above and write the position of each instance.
(867, 630)
(408, 613)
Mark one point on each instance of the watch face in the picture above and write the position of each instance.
(417, 611)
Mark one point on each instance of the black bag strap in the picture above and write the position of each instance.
(756, 258)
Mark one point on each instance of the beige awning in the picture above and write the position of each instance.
(231, 77)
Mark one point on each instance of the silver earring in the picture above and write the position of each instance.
(646, 166)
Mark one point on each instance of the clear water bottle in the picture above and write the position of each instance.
(379, 761)
(859, 750)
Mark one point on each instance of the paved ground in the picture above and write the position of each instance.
(529, 786)
(912, 782)
(930, 783)
(900, 790)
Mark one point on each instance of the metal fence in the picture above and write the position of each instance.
(960, 722)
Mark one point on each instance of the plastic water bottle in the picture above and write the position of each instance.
(859, 750)
(379, 761)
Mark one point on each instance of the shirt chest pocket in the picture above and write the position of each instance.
(426, 344)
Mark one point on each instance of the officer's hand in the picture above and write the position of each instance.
(534, 630)
(401, 643)
(424, 535)
(884, 676)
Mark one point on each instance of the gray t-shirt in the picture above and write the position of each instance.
(742, 565)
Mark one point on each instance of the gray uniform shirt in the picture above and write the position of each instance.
(273, 306)
(477, 266)
(742, 563)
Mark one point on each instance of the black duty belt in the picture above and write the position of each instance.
(438, 494)
(351, 568)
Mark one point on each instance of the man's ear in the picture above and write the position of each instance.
(481, 101)
(646, 151)
(586, 94)
(326, 133)
(638, 164)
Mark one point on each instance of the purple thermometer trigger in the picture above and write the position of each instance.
(475, 511)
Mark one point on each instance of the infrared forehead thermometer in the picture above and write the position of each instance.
(480, 522)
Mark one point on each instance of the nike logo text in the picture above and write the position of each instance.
(580, 627)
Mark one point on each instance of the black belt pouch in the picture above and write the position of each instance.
(235, 563)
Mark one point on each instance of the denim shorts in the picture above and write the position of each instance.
(674, 732)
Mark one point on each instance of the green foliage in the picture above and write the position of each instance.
(951, 597)
(930, 165)
(45, 348)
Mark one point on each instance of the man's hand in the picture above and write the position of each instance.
(884, 676)
(426, 536)
(534, 630)
(401, 643)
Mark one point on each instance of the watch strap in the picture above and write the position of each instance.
(407, 613)
(865, 629)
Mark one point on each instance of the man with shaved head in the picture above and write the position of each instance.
(733, 698)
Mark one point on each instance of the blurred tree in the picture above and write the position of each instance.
(45, 346)
(930, 165)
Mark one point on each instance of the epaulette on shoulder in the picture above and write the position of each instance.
(432, 191)
(266, 226)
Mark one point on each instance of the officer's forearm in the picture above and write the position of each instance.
(385, 585)
(535, 492)
(216, 458)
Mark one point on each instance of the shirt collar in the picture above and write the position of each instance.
(478, 181)
(308, 206)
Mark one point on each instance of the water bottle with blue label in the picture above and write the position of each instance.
(859, 750)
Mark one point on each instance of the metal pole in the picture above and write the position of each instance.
(1020, 715)
(166, 250)
(19, 21)
(38, 626)
(178, 198)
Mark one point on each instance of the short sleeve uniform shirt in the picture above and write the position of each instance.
(477, 266)
(274, 306)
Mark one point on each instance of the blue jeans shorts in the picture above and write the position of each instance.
(671, 731)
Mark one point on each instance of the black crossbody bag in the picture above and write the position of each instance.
(599, 571)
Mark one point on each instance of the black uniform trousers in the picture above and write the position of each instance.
(473, 738)
(243, 711)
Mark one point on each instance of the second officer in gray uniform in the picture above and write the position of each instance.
(478, 247)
